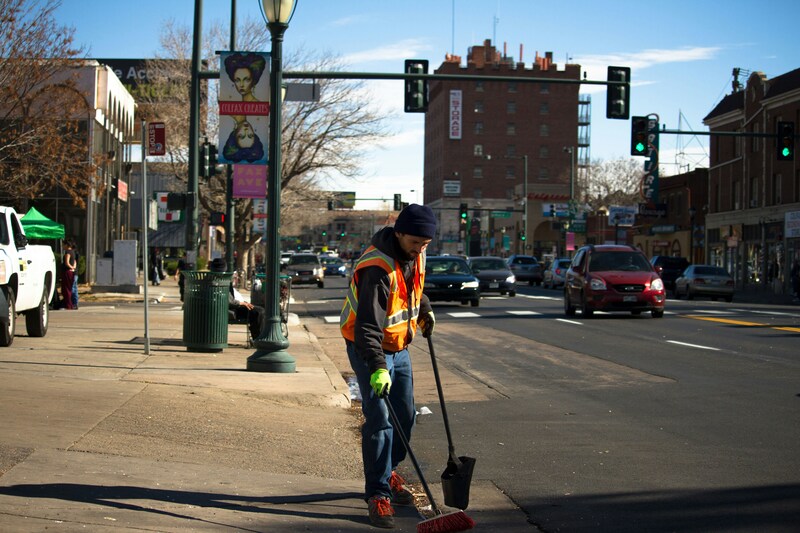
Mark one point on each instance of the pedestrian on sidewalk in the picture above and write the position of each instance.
(238, 307)
(68, 267)
(795, 277)
(76, 258)
(379, 319)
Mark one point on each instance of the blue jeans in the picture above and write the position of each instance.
(380, 451)
(75, 291)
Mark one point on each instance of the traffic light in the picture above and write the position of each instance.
(208, 159)
(416, 90)
(639, 134)
(342, 234)
(552, 210)
(522, 235)
(398, 202)
(462, 213)
(785, 141)
(618, 97)
(324, 233)
(217, 218)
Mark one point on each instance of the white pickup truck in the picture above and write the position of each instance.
(27, 279)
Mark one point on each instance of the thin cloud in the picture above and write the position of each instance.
(389, 52)
(594, 65)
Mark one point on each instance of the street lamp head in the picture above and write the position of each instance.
(279, 11)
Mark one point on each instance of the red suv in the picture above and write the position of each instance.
(612, 278)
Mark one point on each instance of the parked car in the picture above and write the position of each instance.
(285, 256)
(705, 280)
(612, 278)
(669, 268)
(305, 268)
(494, 275)
(555, 274)
(333, 265)
(525, 268)
(449, 278)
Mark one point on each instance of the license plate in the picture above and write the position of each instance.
(629, 298)
(494, 285)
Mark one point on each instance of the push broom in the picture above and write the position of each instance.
(442, 522)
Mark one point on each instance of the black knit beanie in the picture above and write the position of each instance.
(417, 220)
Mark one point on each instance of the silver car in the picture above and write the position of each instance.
(554, 274)
(704, 280)
(305, 268)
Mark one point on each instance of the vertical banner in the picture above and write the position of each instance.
(249, 181)
(243, 108)
(456, 117)
(260, 216)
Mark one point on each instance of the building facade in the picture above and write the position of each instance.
(753, 219)
(506, 149)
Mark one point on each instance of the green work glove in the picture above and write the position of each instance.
(426, 323)
(380, 382)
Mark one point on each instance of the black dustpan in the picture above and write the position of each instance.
(457, 477)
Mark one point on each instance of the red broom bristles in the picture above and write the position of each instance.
(446, 523)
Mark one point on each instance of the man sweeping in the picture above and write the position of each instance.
(379, 319)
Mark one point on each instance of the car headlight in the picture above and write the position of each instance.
(470, 285)
(598, 284)
(511, 279)
(657, 285)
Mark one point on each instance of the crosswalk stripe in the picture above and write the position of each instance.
(523, 313)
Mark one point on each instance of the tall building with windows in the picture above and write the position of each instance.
(506, 149)
(753, 211)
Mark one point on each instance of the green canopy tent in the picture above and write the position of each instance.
(38, 226)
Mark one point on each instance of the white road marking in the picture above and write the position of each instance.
(712, 312)
(464, 314)
(331, 319)
(569, 321)
(534, 297)
(523, 313)
(694, 345)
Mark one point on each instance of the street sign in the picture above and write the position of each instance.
(501, 214)
(156, 138)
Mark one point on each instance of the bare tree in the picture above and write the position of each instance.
(318, 138)
(614, 182)
(43, 115)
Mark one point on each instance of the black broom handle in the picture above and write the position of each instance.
(450, 447)
(407, 445)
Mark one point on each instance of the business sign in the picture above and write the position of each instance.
(244, 108)
(650, 179)
(456, 115)
(122, 190)
(260, 216)
(452, 188)
(622, 215)
(249, 181)
(156, 138)
(791, 225)
(164, 214)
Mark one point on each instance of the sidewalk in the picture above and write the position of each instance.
(98, 435)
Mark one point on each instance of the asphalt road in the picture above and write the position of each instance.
(690, 422)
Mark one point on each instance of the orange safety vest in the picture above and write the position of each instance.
(400, 323)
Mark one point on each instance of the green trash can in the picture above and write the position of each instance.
(205, 310)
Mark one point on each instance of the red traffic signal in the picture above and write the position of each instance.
(217, 218)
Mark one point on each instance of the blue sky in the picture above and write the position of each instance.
(681, 54)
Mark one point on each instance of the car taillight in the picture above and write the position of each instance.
(699, 280)
(558, 271)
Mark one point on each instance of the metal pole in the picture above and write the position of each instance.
(229, 204)
(525, 206)
(145, 255)
(194, 137)
(271, 354)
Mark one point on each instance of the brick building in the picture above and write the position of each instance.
(753, 219)
(481, 136)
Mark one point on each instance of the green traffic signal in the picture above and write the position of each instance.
(786, 152)
(639, 133)
(785, 141)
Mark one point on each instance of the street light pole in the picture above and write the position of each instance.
(271, 354)
(525, 205)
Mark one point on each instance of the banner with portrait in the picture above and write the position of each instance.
(243, 108)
